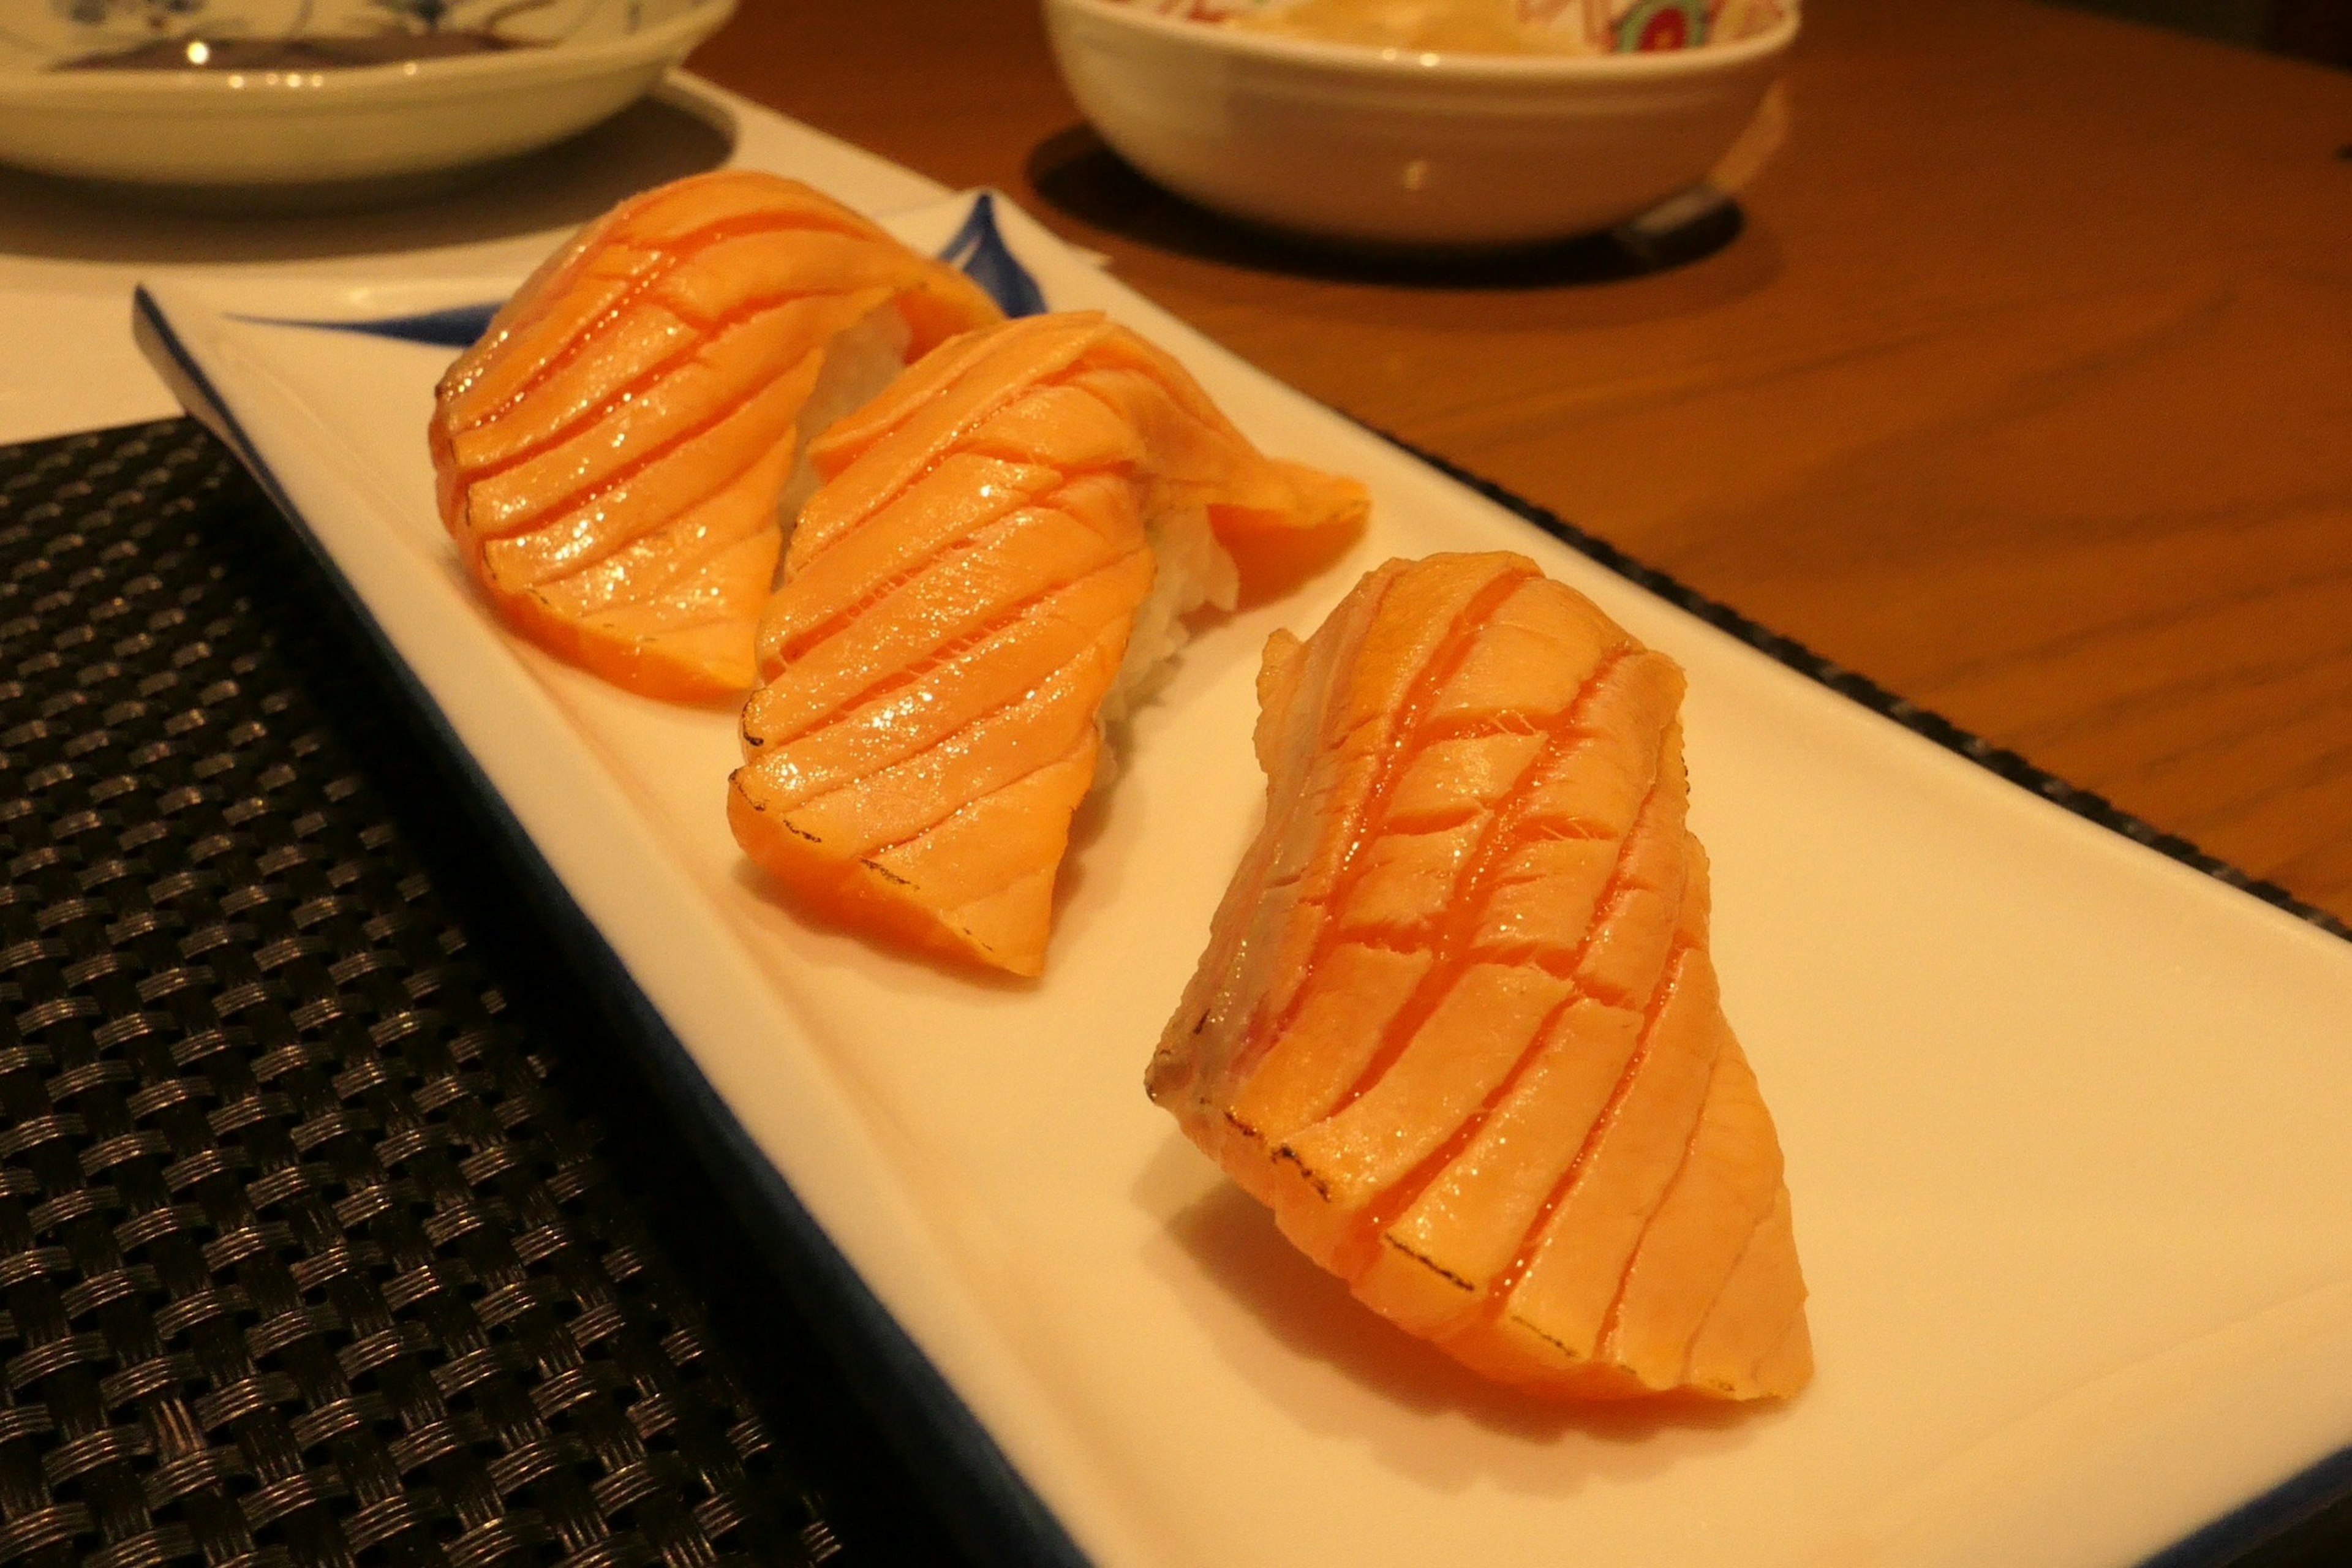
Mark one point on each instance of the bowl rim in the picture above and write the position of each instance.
(1368, 59)
(44, 87)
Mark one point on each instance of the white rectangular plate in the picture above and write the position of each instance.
(2064, 1120)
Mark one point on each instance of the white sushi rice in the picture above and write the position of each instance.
(1191, 568)
(858, 364)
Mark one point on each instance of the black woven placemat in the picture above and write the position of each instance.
(325, 1199)
(311, 1249)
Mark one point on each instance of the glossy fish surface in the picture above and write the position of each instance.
(1457, 1023)
(1003, 550)
(613, 454)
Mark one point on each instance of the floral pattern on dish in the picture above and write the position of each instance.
(1478, 26)
(41, 37)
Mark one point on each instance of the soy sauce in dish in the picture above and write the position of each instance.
(323, 53)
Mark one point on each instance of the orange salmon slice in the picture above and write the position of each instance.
(612, 458)
(959, 611)
(1458, 1023)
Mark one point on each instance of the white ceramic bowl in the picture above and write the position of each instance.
(1396, 147)
(257, 130)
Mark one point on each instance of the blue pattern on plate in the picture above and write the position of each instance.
(457, 327)
(978, 251)
(46, 32)
(156, 14)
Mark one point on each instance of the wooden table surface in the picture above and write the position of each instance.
(2026, 388)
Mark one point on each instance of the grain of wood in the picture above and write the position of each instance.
(2026, 388)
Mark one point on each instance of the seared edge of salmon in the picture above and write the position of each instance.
(1000, 554)
(612, 456)
(1457, 1023)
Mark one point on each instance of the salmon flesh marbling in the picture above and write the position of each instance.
(612, 457)
(1001, 553)
(1457, 1024)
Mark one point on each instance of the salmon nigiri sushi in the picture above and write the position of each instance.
(1456, 1022)
(1003, 548)
(613, 456)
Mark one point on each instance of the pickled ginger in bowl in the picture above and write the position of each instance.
(1422, 124)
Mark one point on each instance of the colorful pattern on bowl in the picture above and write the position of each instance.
(39, 36)
(1564, 27)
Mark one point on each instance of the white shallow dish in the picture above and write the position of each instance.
(1396, 147)
(2063, 1118)
(259, 131)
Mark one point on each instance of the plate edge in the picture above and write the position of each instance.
(930, 1398)
(998, 1510)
